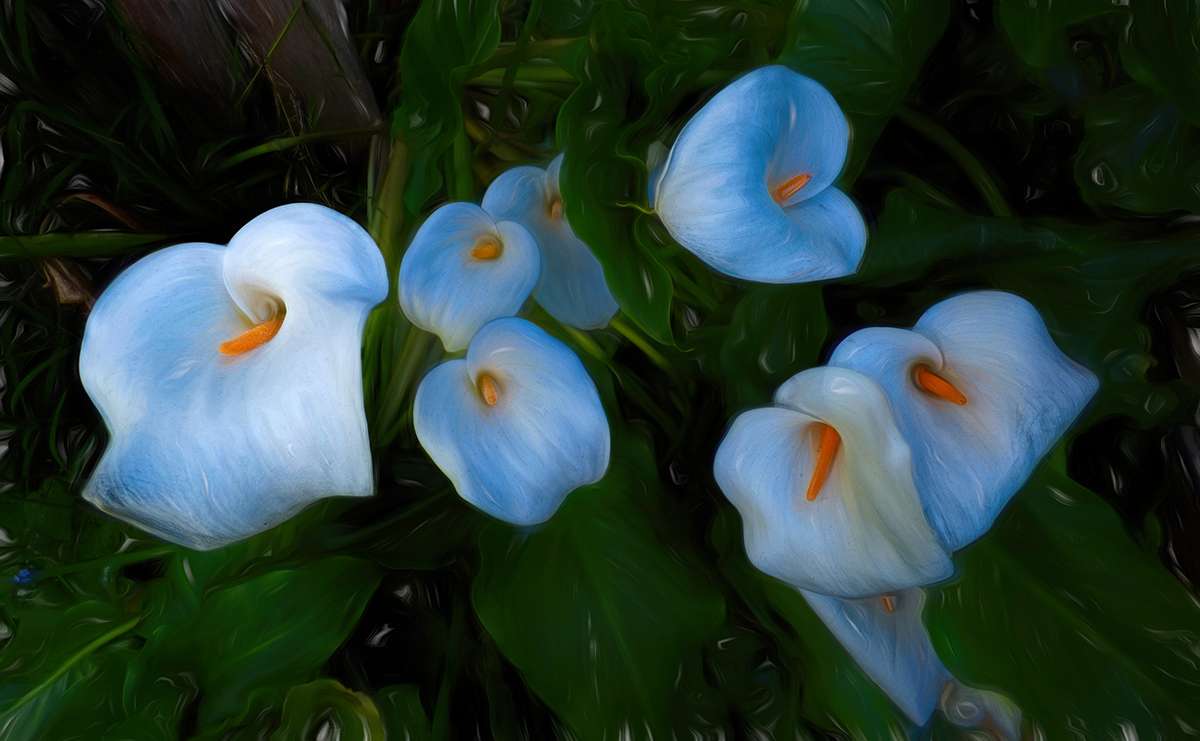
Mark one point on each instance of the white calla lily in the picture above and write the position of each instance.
(230, 380)
(572, 288)
(824, 483)
(516, 425)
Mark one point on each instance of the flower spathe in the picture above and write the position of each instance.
(864, 533)
(572, 288)
(464, 269)
(229, 378)
(516, 425)
(1019, 394)
(888, 640)
(747, 184)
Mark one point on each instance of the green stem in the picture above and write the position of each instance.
(532, 74)
(973, 168)
(500, 111)
(441, 709)
(80, 655)
(635, 337)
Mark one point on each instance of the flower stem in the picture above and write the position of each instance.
(973, 168)
(78, 656)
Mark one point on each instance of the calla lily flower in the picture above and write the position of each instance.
(572, 288)
(981, 393)
(747, 185)
(887, 638)
(824, 483)
(230, 380)
(464, 269)
(516, 425)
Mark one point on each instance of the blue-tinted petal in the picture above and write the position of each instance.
(445, 290)
(572, 288)
(716, 193)
(545, 435)
(892, 648)
(865, 532)
(207, 448)
(1022, 395)
(304, 249)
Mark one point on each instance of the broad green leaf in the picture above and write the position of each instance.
(270, 632)
(868, 54)
(403, 715)
(1159, 51)
(1058, 609)
(1039, 30)
(600, 616)
(1139, 153)
(775, 332)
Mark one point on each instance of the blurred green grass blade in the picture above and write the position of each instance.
(79, 244)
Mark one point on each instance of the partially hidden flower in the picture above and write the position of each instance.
(980, 393)
(229, 378)
(949, 418)
(572, 287)
(464, 269)
(516, 425)
(888, 639)
(747, 184)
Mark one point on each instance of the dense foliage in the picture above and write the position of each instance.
(1051, 150)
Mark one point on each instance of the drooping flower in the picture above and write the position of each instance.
(572, 288)
(516, 425)
(824, 483)
(980, 393)
(964, 405)
(747, 184)
(887, 638)
(229, 378)
(464, 269)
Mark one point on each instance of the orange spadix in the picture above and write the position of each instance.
(259, 334)
(791, 187)
(486, 249)
(826, 449)
(556, 208)
(938, 386)
(889, 602)
(487, 387)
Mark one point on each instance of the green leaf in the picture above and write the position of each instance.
(326, 709)
(1039, 30)
(402, 712)
(1159, 51)
(269, 632)
(1059, 609)
(775, 332)
(81, 244)
(868, 54)
(1139, 153)
(600, 616)
(444, 44)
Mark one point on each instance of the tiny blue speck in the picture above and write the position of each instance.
(23, 577)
